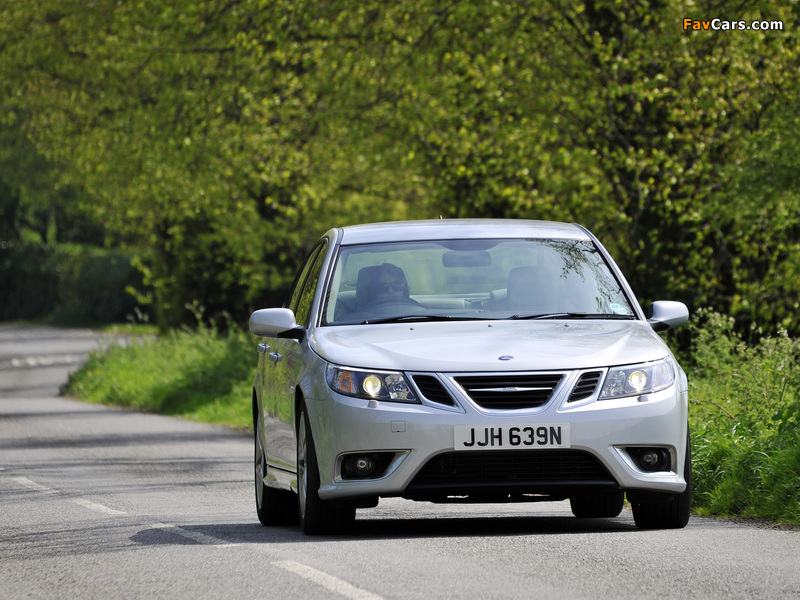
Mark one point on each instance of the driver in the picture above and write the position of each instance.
(383, 283)
(391, 281)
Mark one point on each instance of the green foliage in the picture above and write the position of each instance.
(197, 374)
(34, 205)
(68, 283)
(745, 413)
(225, 136)
(757, 231)
(28, 281)
(96, 285)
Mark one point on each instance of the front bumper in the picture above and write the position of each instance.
(601, 432)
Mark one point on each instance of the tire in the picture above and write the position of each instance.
(273, 506)
(672, 514)
(316, 516)
(600, 505)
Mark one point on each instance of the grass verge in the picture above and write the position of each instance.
(194, 374)
(745, 417)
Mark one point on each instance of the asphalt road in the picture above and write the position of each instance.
(99, 502)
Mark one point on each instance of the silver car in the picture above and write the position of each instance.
(467, 361)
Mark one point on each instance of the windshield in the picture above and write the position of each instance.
(472, 279)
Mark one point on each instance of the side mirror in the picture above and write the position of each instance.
(666, 314)
(276, 322)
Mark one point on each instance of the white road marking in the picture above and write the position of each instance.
(52, 360)
(32, 485)
(97, 507)
(38, 487)
(329, 582)
(196, 536)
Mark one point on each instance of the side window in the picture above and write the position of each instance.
(303, 295)
(297, 286)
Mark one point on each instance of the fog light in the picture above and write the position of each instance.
(358, 466)
(366, 465)
(651, 459)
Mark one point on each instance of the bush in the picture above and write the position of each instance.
(95, 283)
(198, 374)
(71, 283)
(745, 411)
(28, 281)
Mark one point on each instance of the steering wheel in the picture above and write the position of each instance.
(385, 305)
(384, 300)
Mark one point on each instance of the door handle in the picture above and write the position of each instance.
(275, 357)
(263, 348)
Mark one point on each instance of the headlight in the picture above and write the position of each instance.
(634, 380)
(390, 386)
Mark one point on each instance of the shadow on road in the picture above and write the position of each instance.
(389, 529)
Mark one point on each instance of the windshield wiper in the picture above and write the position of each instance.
(570, 315)
(413, 318)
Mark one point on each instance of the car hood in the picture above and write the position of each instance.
(489, 345)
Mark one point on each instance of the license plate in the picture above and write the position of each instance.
(511, 437)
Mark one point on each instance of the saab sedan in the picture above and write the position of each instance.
(467, 361)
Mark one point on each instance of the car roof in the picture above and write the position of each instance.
(444, 229)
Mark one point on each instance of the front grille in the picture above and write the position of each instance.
(586, 386)
(433, 390)
(535, 469)
(509, 391)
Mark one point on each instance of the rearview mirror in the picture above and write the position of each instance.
(475, 258)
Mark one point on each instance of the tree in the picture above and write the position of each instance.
(34, 205)
(193, 124)
(226, 135)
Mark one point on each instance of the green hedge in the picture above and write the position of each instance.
(745, 420)
(68, 282)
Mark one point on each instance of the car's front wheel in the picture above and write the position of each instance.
(672, 513)
(316, 515)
